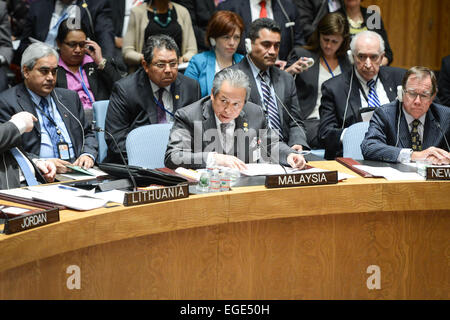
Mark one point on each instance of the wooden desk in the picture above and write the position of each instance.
(250, 243)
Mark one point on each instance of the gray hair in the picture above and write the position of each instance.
(160, 41)
(236, 78)
(366, 34)
(34, 52)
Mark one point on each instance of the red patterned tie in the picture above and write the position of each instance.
(263, 12)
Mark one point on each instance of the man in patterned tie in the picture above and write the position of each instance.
(61, 133)
(271, 88)
(414, 128)
(353, 96)
(16, 168)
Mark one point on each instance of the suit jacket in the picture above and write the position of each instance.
(100, 81)
(380, 142)
(40, 15)
(198, 120)
(17, 99)
(200, 11)
(9, 169)
(6, 49)
(332, 108)
(284, 86)
(291, 35)
(117, 15)
(202, 67)
(444, 82)
(132, 105)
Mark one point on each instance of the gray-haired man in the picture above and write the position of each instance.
(61, 134)
(226, 130)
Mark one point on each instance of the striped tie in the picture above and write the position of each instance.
(415, 137)
(373, 100)
(270, 106)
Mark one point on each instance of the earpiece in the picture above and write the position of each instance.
(350, 56)
(248, 45)
(212, 41)
(400, 93)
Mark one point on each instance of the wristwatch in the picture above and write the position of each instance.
(102, 64)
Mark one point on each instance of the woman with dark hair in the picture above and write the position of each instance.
(82, 68)
(358, 18)
(223, 35)
(328, 47)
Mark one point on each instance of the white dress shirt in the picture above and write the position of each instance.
(255, 9)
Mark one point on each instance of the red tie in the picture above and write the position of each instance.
(263, 12)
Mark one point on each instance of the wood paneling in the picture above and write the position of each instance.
(418, 30)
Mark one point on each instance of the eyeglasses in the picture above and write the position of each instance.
(413, 95)
(45, 71)
(363, 57)
(162, 65)
(74, 44)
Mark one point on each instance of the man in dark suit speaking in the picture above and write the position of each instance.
(150, 95)
(412, 129)
(61, 133)
(226, 130)
(272, 88)
(352, 97)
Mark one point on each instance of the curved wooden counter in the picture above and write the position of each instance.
(251, 243)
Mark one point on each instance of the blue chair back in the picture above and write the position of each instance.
(352, 139)
(146, 145)
(100, 108)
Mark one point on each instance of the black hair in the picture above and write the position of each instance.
(160, 41)
(65, 27)
(262, 23)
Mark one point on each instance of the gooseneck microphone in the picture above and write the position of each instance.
(440, 129)
(98, 129)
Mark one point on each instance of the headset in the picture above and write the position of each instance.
(289, 24)
(352, 61)
(400, 104)
(212, 41)
(248, 45)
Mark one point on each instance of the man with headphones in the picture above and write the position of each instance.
(61, 134)
(271, 88)
(412, 127)
(352, 97)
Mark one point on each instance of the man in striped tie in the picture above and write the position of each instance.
(16, 168)
(353, 96)
(271, 88)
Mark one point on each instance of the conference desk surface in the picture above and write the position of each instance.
(358, 239)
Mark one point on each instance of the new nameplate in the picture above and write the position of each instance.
(156, 195)
(301, 179)
(438, 173)
(31, 221)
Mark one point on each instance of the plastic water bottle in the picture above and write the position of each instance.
(225, 180)
(214, 181)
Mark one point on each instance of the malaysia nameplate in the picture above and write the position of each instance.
(30, 221)
(302, 179)
(156, 195)
(438, 173)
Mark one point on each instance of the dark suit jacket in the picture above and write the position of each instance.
(198, 120)
(132, 105)
(17, 99)
(100, 81)
(9, 169)
(200, 11)
(284, 86)
(444, 82)
(332, 108)
(380, 142)
(40, 15)
(290, 36)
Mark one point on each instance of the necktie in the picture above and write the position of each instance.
(21, 161)
(372, 98)
(271, 107)
(49, 126)
(161, 111)
(223, 129)
(415, 137)
(263, 12)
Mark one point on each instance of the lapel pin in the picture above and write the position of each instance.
(177, 97)
(245, 126)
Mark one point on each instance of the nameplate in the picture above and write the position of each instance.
(156, 195)
(302, 179)
(438, 173)
(30, 221)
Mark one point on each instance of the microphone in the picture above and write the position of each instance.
(440, 129)
(98, 129)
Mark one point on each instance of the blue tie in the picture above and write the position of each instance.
(372, 98)
(49, 126)
(272, 110)
(21, 160)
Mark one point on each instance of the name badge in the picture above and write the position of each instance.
(63, 151)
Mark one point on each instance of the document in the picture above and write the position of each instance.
(390, 174)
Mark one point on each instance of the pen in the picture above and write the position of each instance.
(67, 188)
